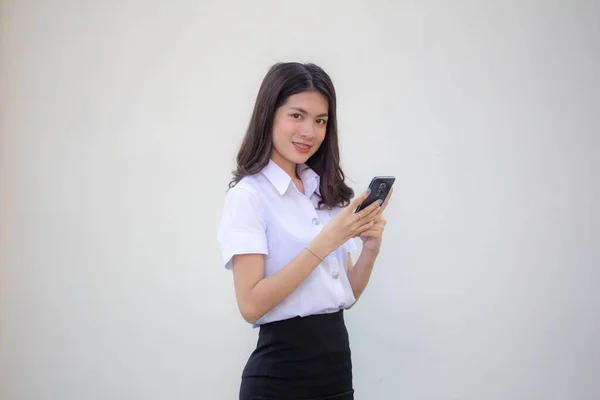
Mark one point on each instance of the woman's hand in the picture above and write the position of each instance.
(372, 237)
(346, 225)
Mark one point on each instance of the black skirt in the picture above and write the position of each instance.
(303, 358)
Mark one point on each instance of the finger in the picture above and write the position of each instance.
(378, 223)
(369, 221)
(365, 227)
(371, 234)
(357, 201)
(368, 211)
(367, 214)
(376, 230)
(364, 219)
(387, 199)
(372, 210)
(377, 226)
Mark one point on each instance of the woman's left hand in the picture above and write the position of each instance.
(372, 238)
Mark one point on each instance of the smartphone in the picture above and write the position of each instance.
(380, 187)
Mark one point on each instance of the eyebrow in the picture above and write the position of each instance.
(303, 111)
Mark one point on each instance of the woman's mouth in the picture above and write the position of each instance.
(302, 148)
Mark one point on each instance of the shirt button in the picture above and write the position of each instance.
(316, 221)
(335, 274)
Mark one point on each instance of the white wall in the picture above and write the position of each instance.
(119, 123)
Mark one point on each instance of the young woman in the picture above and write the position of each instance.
(287, 231)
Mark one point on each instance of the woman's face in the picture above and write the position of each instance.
(299, 129)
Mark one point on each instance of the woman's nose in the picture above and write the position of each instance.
(307, 130)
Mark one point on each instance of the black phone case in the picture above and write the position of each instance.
(380, 187)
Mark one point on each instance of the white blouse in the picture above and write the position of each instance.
(266, 214)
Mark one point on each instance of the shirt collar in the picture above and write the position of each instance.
(281, 180)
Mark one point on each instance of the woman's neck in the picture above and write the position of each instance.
(287, 166)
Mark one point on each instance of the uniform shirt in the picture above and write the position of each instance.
(266, 214)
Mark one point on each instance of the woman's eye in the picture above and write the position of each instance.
(296, 116)
(321, 121)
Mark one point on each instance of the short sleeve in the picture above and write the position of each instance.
(242, 229)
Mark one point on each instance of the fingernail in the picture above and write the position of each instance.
(368, 191)
(380, 201)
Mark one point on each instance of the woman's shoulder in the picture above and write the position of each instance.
(247, 193)
(250, 184)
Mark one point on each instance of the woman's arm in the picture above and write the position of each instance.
(256, 295)
(359, 273)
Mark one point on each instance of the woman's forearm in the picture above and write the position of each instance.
(360, 273)
(272, 290)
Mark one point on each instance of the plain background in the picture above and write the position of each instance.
(119, 125)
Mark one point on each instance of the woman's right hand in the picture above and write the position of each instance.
(347, 224)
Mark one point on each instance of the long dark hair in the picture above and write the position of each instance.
(282, 81)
